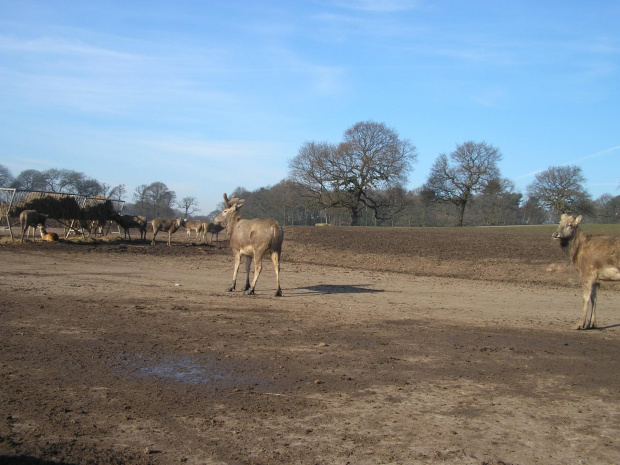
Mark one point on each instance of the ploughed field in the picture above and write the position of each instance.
(396, 346)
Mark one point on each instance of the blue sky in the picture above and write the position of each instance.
(206, 96)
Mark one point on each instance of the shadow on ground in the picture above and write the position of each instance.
(340, 289)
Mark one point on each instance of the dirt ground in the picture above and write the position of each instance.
(389, 346)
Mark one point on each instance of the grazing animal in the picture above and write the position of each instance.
(193, 226)
(169, 226)
(253, 239)
(49, 237)
(595, 256)
(214, 229)
(31, 219)
(211, 228)
(95, 227)
(131, 221)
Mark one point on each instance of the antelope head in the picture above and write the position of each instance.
(567, 227)
(232, 205)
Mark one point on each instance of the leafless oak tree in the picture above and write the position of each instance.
(371, 159)
(189, 205)
(465, 172)
(559, 190)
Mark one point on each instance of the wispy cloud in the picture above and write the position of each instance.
(577, 160)
(212, 150)
(74, 75)
(597, 154)
(56, 46)
(385, 6)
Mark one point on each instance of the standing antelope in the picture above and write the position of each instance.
(131, 221)
(214, 229)
(31, 219)
(169, 226)
(253, 239)
(596, 257)
(209, 227)
(193, 226)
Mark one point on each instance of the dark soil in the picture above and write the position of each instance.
(391, 346)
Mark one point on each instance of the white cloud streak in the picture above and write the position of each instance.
(56, 46)
(213, 150)
(577, 160)
(380, 6)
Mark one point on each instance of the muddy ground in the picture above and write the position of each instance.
(389, 346)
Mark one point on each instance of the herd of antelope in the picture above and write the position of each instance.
(596, 257)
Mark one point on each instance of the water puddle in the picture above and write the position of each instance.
(206, 370)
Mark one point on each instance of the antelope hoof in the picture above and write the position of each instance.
(230, 289)
(278, 293)
(582, 326)
(249, 292)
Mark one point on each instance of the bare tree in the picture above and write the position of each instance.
(6, 177)
(75, 182)
(498, 204)
(32, 180)
(559, 190)
(467, 171)
(154, 200)
(117, 192)
(60, 180)
(372, 158)
(189, 205)
(57, 180)
(607, 208)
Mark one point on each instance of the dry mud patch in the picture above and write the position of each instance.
(127, 353)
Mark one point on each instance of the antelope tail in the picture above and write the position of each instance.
(278, 237)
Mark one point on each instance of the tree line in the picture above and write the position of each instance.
(494, 206)
(364, 176)
(360, 181)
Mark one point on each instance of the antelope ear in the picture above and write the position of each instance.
(578, 220)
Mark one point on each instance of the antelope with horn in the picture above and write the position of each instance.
(253, 239)
(595, 256)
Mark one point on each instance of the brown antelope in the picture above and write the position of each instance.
(213, 229)
(31, 219)
(169, 226)
(253, 239)
(596, 258)
(193, 226)
(131, 221)
(209, 227)
(49, 237)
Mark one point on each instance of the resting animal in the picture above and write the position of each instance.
(49, 237)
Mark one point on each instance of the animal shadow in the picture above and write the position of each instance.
(340, 289)
(600, 328)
